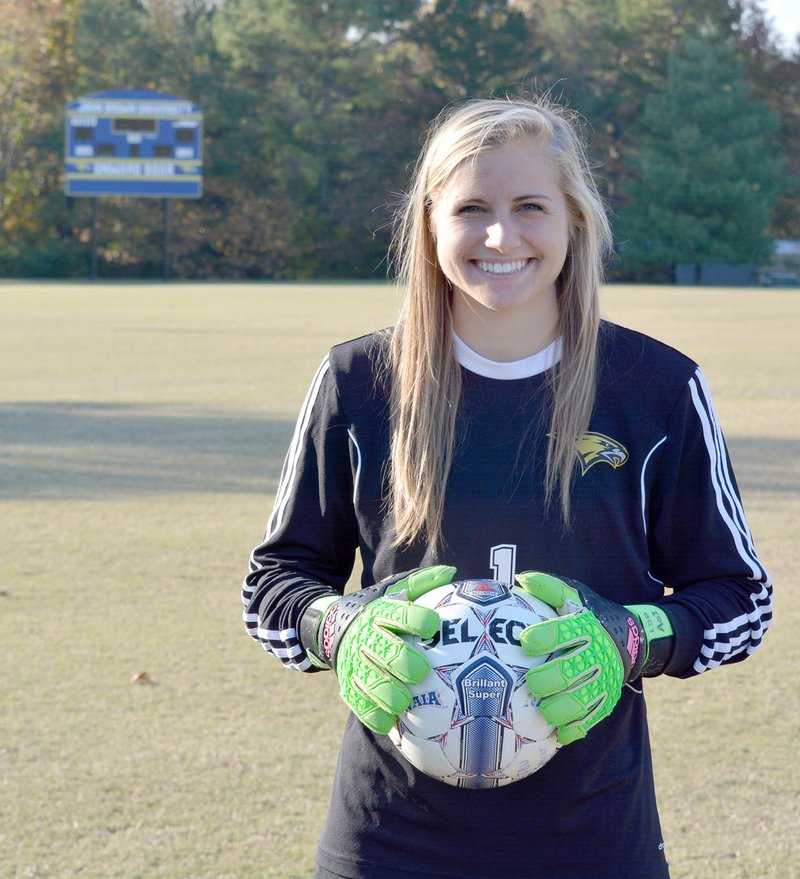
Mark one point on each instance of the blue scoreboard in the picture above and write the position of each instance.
(133, 142)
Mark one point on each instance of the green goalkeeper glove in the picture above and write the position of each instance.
(598, 646)
(359, 636)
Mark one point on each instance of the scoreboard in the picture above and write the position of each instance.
(133, 142)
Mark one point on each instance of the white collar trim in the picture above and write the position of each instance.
(515, 369)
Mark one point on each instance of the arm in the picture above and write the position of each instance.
(309, 546)
(700, 546)
(700, 543)
(293, 595)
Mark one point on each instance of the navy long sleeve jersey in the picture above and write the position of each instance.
(656, 517)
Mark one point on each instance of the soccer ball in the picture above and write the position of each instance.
(472, 721)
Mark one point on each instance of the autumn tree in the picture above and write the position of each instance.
(36, 63)
(314, 112)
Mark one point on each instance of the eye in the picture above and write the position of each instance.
(531, 207)
(470, 209)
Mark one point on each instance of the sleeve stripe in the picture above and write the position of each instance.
(727, 503)
(357, 476)
(284, 643)
(726, 639)
(725, 646)
(725, 474)
(643, 489)
(642, 481)
(289, 470)
(280, 647)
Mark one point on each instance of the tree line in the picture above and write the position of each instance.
(315, 109)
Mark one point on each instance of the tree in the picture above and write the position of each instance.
(314, 112)
(315, 133)
(604, 57)
(36, 65)
(469, 48)
(707, 172)
(775, 75)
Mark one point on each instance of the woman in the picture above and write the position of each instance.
(502, 427)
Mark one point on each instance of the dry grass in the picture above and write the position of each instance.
(142, 430)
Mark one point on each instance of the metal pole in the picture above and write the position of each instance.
(165, 256)
(94, 238)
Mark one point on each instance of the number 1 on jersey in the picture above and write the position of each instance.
(503, 562)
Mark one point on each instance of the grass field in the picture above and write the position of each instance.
(142, 431)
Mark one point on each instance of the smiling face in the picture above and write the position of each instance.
(501, 226)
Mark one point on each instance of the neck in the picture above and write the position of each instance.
(504, 336)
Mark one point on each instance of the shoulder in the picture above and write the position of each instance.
(358, 370)
(365, 353)
(634, 359)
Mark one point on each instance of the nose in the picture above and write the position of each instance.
(502, 235)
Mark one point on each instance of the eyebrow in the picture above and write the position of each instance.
(480, 198)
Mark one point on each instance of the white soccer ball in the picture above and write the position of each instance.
(472, 721)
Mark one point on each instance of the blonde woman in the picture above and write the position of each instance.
(499, 429)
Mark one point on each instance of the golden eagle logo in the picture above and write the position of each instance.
(595, 448)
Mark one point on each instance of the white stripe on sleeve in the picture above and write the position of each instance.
(725, 639)
(284, 643)
(289, 471)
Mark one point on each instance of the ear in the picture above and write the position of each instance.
(430, 218)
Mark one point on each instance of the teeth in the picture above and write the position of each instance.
(502, 268)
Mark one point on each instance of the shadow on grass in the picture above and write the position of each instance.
(90, 450)
(766, 464)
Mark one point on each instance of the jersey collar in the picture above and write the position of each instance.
(516, 369)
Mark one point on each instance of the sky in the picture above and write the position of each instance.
(786, 16)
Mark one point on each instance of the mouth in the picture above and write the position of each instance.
(502, 268)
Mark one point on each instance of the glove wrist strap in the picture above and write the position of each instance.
(337, 620)
(659, 637)
(308, 630)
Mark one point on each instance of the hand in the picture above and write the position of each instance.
(598, 646)
(359, 636)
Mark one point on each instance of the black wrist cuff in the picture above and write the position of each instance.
(307, 633)
(659, 653)
(338, 618)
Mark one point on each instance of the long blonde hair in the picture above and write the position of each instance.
(426, 378)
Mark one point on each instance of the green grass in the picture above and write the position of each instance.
(142, 431)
